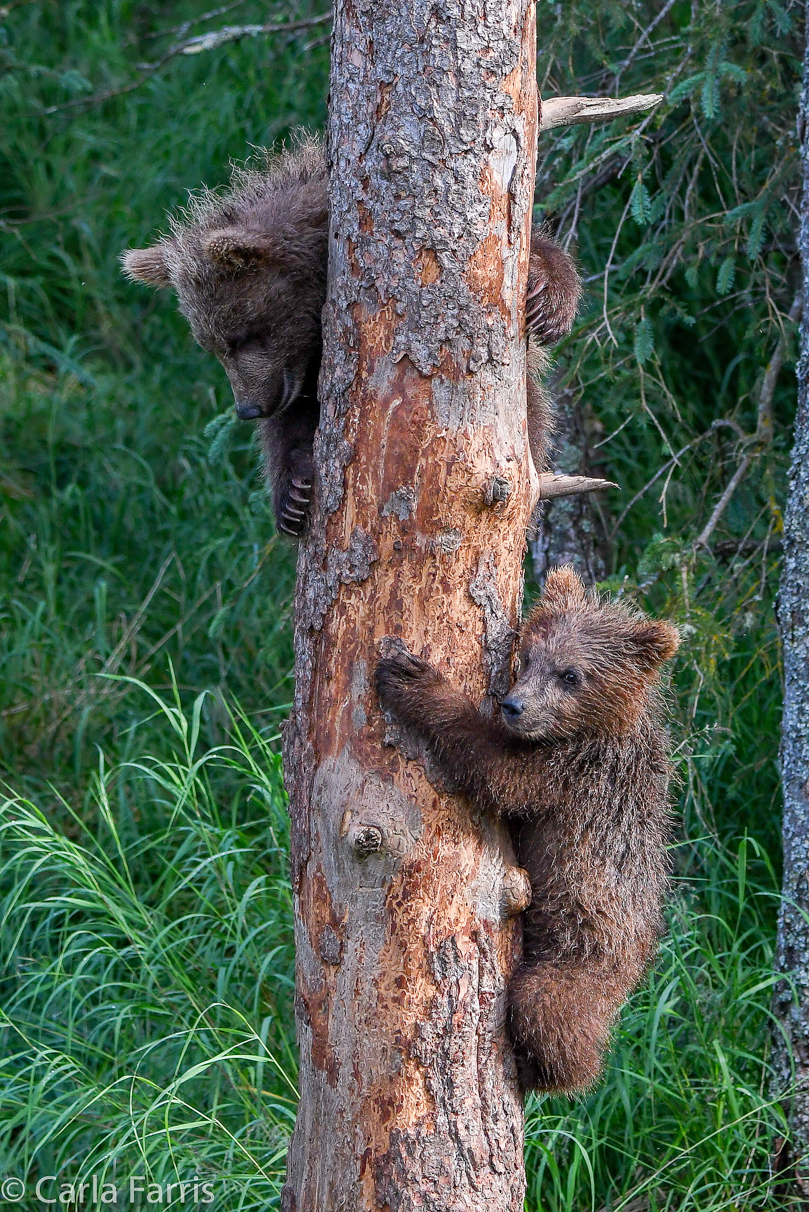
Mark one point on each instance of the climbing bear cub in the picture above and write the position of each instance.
(580, 763)
(249, 268)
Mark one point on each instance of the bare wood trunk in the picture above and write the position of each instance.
(405, 901)
(792, 996)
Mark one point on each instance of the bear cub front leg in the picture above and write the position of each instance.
(289, 461)
(474, 753)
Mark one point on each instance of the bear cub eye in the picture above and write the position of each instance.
(570, 678)
(248, 338)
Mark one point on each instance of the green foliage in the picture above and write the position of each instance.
(130, 532)
(146, 1025)
(684, 220)
(145, 925)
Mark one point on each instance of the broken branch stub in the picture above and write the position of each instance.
(570, 111)
(569, 486)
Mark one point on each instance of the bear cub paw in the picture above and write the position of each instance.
(400, 677)
(553, 294)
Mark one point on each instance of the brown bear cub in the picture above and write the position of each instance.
(249, 268)
(579, 762)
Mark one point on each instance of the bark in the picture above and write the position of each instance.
(406, 902)
(792, 993)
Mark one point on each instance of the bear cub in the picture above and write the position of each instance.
(579, 762)
(249, 267)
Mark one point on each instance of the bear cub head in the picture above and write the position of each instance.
(588, 667)
(249, 270)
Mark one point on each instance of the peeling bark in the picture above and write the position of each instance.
(792, 995)
(405, 900)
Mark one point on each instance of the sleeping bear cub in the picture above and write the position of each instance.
(580, 763)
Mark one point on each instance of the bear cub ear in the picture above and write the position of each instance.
(146, 265)
(237, 248)
(654, 642)
(563, 589)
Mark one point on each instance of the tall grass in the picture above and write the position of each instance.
(685, 1118)
(125, 539)
(146, 1025)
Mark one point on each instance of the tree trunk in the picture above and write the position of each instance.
(405, 901)
(792, 996)
(568, 529)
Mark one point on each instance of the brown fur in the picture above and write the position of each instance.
(579, 762)
(249, 268)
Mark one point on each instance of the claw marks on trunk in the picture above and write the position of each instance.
(441, 270)
(428, 941)
(343, 566)
(422, 468)
(499, 633)
(464, 1136)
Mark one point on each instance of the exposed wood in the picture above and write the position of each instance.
(405, 902)
(791, 1004)
(570, 111)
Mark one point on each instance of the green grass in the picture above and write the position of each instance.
(685, 1118)
(147, 1025)
(148, 966)
(145, 928)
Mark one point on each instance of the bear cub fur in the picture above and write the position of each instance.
(579, 762)
(249, 267)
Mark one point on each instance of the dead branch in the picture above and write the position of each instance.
(183, 29)
(660, 471)
(764, 419)
(570, 111)
(234, 33)
(190, 46)
(722, 504)
(643, 38)
(551, 486)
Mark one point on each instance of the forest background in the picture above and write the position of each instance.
(146, 979)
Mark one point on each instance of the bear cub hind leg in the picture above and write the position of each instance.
(559, 1020)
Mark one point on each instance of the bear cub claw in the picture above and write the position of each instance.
(553, 291)
(294, 493)
(260, 252)
(582, 773)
